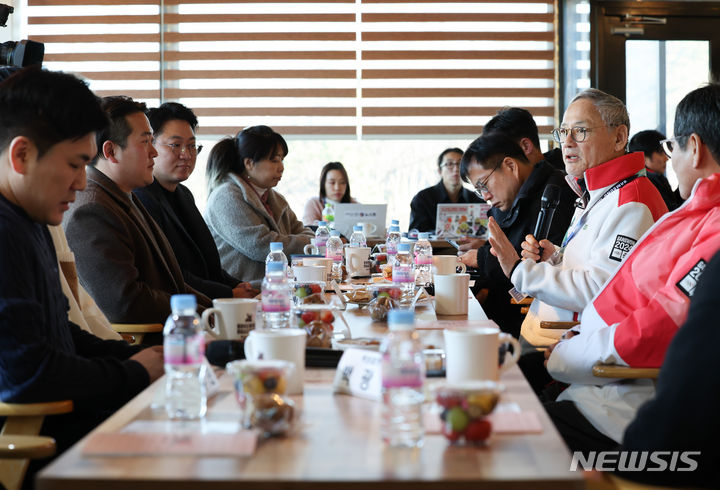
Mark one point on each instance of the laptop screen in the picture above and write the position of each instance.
(348, 215)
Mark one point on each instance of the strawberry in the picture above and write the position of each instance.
(478, 430)
(327, 317)
(308, 317)
(315, 288)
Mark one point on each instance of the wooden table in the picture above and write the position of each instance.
(339, 446)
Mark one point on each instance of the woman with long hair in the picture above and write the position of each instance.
(334, 188)
(244, 212)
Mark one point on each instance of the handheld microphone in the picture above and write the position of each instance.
(220, 352)
(548, 204)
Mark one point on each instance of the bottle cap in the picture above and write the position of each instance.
(394, 228)
(357, 228)
(276, 246)
(395, 222)
(334, 233)
(275, 267)
(183, 302)
(401, 319)
(322, 223)
(403, 247)
(423, 236)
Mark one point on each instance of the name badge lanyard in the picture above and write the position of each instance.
(581, 222)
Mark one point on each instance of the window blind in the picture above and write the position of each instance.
(317, 69)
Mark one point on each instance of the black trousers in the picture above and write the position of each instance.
(578, 433)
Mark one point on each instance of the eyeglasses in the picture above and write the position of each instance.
(668, 145)
(190, 149)
(450, 164)
(482, 186)
(578, 133)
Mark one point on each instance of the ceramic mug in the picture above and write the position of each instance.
(287, 344)
(323, 261)
(447, 264)
(451, 294)
(473, 354)
(234, 318)
(368, 229)
(357, 261)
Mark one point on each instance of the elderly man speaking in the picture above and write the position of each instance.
(617, 204)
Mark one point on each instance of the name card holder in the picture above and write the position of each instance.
(359, 374)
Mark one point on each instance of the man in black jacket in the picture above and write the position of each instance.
(502, 174)
(172, 205)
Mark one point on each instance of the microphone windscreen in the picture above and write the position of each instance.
(220, 352)
(551, 196)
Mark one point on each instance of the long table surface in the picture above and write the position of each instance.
(338, 445)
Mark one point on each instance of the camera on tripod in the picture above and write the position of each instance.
(19, 53)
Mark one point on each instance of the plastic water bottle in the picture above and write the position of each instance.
(184, 346)
(328, 215)
(277, 255)
(423, 260)
(357, 239)
(391, 244)
(276, 297)
(403, 273)
(393, 222)
(403, 373)
(335, 252)
(321, 237)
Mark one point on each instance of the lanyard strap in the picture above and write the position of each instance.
(581, 222)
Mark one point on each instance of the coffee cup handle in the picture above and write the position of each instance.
(214, 331)
(373, 230)
(506, 338)
(310, 250)
(247, 348)
(461, 266)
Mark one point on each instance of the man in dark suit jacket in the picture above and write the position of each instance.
(172, 205)
(123, 258)
(648, 142)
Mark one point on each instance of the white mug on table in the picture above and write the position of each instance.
(323, 261)
(311, 248)
(472, 354)
(447, 264)
(287, 344)
(309, 273)
(368, 229)
(234, 318)
(451, 294)
(357, 261)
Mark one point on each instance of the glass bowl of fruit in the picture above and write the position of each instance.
(464, 408)
(319, 322)
(260, 388)
(385, 297)
(310, 293)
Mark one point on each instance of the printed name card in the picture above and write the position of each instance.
(359, 374)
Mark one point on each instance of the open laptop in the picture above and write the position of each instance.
(348, 215)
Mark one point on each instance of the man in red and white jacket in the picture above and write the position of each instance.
(633, 318)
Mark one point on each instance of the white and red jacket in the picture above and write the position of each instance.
(633, 318)
(565, 284)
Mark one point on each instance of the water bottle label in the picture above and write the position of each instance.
(423, 260)
(402, 274)
(391, 248)
(409, 376)
(320, 242)
(181, 350)
(273, 301)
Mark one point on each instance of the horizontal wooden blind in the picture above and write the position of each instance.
(323, 68)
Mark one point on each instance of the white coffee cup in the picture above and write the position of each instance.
(287, 344)
(323, 261)
(451, 294)
(357, 261)
(309, 273)
(368, 229)
(447, 264)
(472, 354)
(234, 318)
(311, 248)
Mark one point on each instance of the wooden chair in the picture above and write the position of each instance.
(558, 325)
(624, 372)
(134, 333)
(524, 304)
(19, 440)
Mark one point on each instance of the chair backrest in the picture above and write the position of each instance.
(23, 422)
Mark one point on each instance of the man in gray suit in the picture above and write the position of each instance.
(123, 258)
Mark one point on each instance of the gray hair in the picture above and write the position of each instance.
(611, 109)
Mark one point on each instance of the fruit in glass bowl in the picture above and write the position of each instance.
(464, 408)
(318, 322)
(309, 293)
